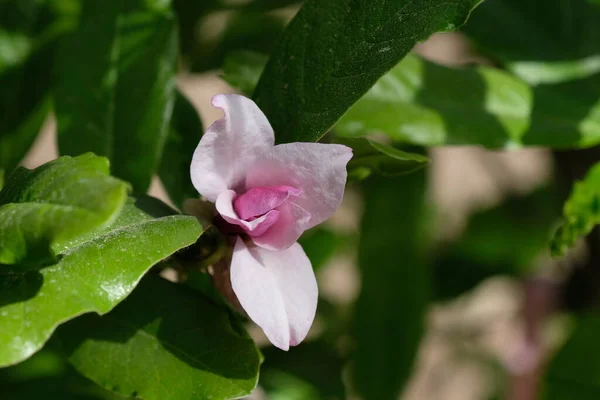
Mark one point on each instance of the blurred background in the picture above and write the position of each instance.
(488, 308)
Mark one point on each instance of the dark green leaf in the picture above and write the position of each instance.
(43, 209)
(371, 157)
(184, 134)
(320, 244)
(164, 342)
(16, 143)
(243, 30)
(581, 212)
(266, 5)
(189, 13)
(47, 375)
(95, 272)
(395, 284)
(334, 51)
(242, 70)
(116, 86)
(542, 41)
(28, 33)
(311, 371)
(574, 373)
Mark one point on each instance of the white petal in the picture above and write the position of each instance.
(229, 146)
(277, 289)
(317, 169)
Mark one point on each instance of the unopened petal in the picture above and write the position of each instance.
(278, 291)
(260, 200)
(229, 146)
(258, 226)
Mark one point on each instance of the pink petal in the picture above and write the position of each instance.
(258, 201)
(317, 169)
(286, 230)
(258, 226)
(278, 291)
(229, 146)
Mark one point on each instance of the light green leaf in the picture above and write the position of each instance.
(94, 274)
(371, 157)
(165, 342)
(333, 51)
(395, 284)
(574, 372)
(43, 209)
(542, 41)
(581, 212)
(116, 86)
(184, 134)
(423, 103)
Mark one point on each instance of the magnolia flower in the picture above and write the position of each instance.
(268, 195)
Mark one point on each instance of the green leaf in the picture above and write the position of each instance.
(15, 144)
(423, 103)
(574, 372)
(116, 86)
(311, 371)
(334, 51)
(503, 240)
(244, 30)
(395, 284)
(581, 212)
(28, 33)
(264, 5)
(47, 375)
(43, 209)
(371, 157)
(242, 70)
(542, 41)
(320, 244)
(95, 272)
(184, 134)
(164, 342)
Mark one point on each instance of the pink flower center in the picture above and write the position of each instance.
(259, 201)
(256, 210)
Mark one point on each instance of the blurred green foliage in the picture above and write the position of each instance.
(72, 242)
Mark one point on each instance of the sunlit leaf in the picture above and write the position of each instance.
(95, 272)
(581, 212)
(42, 210)
(423, 103)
